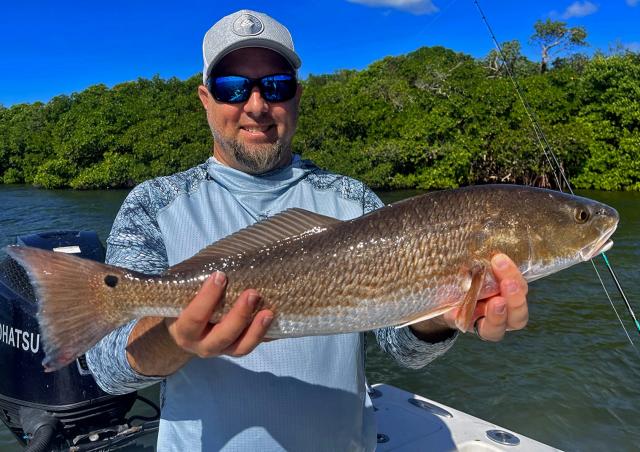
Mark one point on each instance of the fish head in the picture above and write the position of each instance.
(563, 230)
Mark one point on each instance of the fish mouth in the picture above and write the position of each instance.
(605, 247)
(602, 245)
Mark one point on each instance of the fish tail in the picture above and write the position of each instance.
(75, 309)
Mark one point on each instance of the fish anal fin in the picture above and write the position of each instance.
(465, 314)
(284, 225)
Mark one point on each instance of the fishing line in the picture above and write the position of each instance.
(624, 297)
(613, 306)
(556, 166)
(540, 136)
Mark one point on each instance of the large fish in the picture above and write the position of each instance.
(400, 264)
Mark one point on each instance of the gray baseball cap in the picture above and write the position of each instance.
(246, 28)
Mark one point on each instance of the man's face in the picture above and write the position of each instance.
(252, 136)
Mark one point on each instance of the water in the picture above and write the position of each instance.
(570, 379)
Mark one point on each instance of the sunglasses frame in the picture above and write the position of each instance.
(253, 82)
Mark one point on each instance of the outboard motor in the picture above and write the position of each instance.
(61, 409)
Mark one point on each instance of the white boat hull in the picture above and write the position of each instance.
(409, 422)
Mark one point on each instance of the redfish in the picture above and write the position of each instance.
(401, 264)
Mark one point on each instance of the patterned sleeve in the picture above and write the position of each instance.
(408, 350)
(135, 242)
(401, 343)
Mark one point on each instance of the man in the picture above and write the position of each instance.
(223, 387)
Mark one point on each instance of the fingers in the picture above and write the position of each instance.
(239, 331)
(513, 288)
(492, 326)
(252, 336)
(188, 328)
(508, 310)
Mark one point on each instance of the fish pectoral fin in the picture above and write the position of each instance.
(284, 225)
(465, 314)
(428, 316)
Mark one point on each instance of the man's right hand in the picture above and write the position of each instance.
(160, 346)
(235, 335)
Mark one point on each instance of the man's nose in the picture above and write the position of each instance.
(256, 103)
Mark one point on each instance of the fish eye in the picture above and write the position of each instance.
(581, 215)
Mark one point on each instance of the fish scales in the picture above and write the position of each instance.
(366, 265)
(401, 263)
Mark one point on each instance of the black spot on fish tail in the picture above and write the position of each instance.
(111, 280)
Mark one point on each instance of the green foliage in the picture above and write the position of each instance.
(508, 61)
(554, 38)
(113, 171)
(54, 173)
(610, 92)
(105, 137)
(12, 176)
(430, 119)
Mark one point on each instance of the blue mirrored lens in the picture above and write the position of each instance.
(278, 88)
(231, 88)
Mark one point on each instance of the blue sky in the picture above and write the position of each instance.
(60, 47)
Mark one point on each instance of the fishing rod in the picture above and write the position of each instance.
(555, 165)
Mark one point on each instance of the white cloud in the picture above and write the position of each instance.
(411, 6)
(633, 2)
(581, 9)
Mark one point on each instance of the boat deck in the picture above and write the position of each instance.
(409, 422)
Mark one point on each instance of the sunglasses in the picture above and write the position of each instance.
(233, 89)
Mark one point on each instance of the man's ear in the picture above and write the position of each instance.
(205, 98)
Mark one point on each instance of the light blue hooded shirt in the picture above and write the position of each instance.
(291, 394)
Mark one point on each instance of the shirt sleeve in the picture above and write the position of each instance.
(401, 343)
(136, 243)
(408, 350)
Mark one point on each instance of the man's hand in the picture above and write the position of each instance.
(160, 346)
(235, 335)
(493, 316)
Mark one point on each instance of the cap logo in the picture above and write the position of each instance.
(247, 25)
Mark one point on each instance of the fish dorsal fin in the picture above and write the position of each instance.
(284, 225)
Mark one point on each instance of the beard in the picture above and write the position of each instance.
(256, 159)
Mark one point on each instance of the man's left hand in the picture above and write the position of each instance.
(493, 316)
(506, 311)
